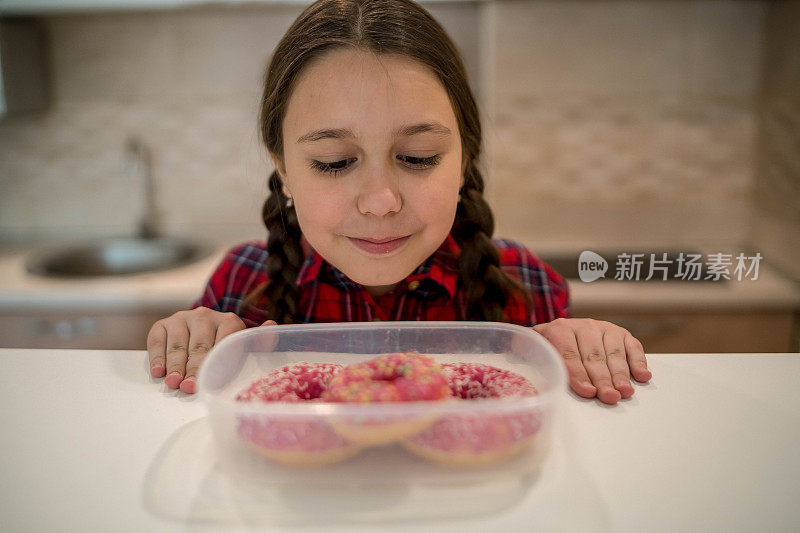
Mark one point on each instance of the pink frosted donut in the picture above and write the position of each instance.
(479, 439)
(476, 380)
(396, 377)
(289, 440)
(291, 383)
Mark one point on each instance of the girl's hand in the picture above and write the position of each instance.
(602, 351)
(177, 345)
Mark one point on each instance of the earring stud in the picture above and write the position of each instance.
(289, 202)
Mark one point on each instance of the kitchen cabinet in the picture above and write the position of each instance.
(754, 315)
(91, 330)
(712, 331)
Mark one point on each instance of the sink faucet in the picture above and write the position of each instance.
(138, 165)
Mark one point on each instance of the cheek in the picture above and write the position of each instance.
(319, 212)
(437, 202)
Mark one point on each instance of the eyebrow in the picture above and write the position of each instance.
(404, 131)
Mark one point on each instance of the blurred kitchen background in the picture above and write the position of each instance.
(609, 126)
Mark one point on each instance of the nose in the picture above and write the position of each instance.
(379, 193)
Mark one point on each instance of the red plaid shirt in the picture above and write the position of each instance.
(431, 292)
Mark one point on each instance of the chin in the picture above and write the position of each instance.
(378, 275)
(372, 281)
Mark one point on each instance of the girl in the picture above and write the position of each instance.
(376, 207)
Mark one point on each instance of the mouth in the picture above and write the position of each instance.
(379, 246)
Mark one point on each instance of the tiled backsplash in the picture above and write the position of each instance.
(624, 121)
(187, 83)
(65, 171)
(603, 121)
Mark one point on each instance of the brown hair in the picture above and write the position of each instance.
(399, 27)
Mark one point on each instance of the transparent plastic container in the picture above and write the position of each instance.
(486, 439)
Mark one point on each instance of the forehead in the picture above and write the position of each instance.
(369, 94)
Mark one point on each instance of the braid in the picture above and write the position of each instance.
(488, 288)
(280, 293)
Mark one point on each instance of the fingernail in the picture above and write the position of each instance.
(173, 380)
(157, 371)
(188, 385)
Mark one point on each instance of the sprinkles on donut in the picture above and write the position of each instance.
(395, 377)
(294, 442)
(479, 439)
(477, 380)
(462, 439)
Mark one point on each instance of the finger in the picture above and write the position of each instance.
(563, 339)
(593, 354)
(265, 342)
(202, 333)
(229, 323)
(636, 358)
(614, 344)
(157, 349)
(177, 351)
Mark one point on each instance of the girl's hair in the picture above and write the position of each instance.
(400, 27)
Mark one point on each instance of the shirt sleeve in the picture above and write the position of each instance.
(547, 288)
(213, 294)
(556, 304)
(238, 273)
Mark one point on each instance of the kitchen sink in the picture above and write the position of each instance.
(114, 257)
(566, 264)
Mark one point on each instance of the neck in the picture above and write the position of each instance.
(380, 290)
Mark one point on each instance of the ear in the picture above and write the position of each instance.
(279, 166)
(281, 169)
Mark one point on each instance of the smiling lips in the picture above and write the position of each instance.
(380, 246)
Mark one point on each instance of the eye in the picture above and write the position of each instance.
(420, 162)
(336, 167)
(332, 168)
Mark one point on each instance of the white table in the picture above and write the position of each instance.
(712, 443)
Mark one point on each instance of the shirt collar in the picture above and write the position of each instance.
(441, 267)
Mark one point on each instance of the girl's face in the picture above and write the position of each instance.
(372, 159)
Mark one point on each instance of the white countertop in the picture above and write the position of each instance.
(177, 288)
(91, 443)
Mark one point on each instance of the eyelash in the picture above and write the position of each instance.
(422, 162)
